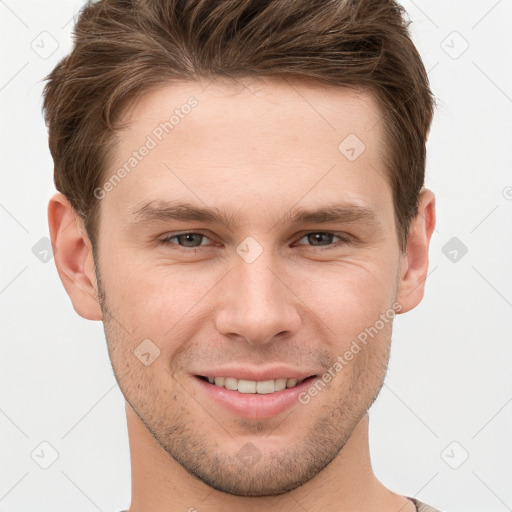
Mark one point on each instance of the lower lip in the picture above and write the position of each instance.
(254, 405)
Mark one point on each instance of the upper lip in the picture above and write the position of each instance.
(258, 374)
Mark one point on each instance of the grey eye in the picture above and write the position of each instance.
(187, 239)
(318, 238)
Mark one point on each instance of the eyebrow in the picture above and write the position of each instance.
(179, 211)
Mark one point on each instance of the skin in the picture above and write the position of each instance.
(256, 149)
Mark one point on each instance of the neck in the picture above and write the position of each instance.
(160, 484)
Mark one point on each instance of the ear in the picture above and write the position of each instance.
(414, 264)
(73, 257)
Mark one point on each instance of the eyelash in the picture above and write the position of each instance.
(344, 240)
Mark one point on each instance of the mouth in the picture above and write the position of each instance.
(257, 400)
(262, 387)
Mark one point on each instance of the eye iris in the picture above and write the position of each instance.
(315, 237)
(187, 236)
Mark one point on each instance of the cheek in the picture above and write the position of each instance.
(160, 300)
(348, 296)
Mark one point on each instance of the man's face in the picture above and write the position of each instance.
(264, 293)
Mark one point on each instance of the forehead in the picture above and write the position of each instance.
(257, 101)
(256, 138)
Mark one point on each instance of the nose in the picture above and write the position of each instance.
(257, 302)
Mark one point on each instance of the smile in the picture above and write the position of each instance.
(261, 387)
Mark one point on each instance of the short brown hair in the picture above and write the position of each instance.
(125, 48)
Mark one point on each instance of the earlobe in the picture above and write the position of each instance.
(73, 257)
(414, 265)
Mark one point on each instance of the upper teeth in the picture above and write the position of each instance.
(252, 386)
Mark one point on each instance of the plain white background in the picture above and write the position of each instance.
(439, 431)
